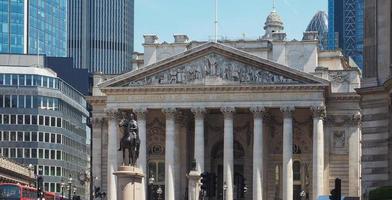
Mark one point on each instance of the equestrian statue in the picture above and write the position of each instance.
(130, 139)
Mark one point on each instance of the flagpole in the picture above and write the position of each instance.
(216, 21)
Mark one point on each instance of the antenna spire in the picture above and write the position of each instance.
(273, 5)
(216, 21)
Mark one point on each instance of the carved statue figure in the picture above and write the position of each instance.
(130, 139)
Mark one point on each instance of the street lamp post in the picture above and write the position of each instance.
(62, 189)
(151, 181)
(69, 187)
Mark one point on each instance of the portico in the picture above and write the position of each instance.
(242, 118)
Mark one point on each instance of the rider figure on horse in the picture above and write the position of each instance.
(130, 139)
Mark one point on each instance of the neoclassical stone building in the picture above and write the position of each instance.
(241, 109)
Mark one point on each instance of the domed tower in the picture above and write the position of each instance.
(273, 24)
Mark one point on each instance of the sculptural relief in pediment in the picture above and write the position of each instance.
(213, 69)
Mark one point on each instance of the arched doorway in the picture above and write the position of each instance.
(217, 169)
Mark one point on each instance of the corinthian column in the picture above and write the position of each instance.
(228, 154)
(142, 161)
(258, 152)
(287, 152)
(199, 138)
(112, 154)
(170, 153)
(318, 151)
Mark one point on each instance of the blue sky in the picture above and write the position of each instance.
(237, 18)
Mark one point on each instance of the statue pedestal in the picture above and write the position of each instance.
(129, 180)
(194, 185)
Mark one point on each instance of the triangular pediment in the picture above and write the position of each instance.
(213, 64)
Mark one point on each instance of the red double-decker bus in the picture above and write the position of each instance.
(11, 191)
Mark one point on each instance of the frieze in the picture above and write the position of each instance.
(216, 67)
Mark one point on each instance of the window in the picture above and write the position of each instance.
(27, 136)
(19, 152)
(28, 101)
(46, 173)
(7, 101)
(13, 136)
(58, 139)
(37, 80)
(45, 81)
(14, 101)
(14, 78)
(34, 119)
(47, 121)
(7, 79)
(28, 80)
(6, 136)
(47, 152)
(34, 136)
(52, 185)
(33, 153)
(59, 122)
(40, 153)
(20, 136)
(6, 119)
(1, 100)
(53, 138)
(20, 119)
(52, 121)
(41, 120)
(47, 137)
(41, 136)
(52, 154)
(22, 80)
(58, 171)
(12, 153)
(27, 153)
(53, 171)
(6, 152)
(21, 101)
(58, 155)
(27, 119)
(13, 119)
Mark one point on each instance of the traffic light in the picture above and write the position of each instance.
(336, 193)
(204, 181)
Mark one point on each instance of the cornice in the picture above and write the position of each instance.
(208, 88)
(344, 97)
(96, 100)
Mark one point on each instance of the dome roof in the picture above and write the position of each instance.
(274, 19)
(319, 23)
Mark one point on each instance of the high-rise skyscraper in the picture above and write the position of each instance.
(29, 25)
(345, 31)
(319, 23)
(101, 34)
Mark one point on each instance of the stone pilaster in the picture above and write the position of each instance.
(97, 130)
(142, 161)
(354, 186)
(287, 152)
(199, 138)
(318, 151)
(228, 151)
(170, 153)
(112, 153)
(258, 146)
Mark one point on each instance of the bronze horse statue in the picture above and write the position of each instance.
(130, 139)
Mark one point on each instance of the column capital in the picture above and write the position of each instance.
(112, 113)
(140, 112)
(227, 111)
(318, 111)
(170, 112)
(97, 121)
(258, 111)
(198, 112)
(287, 111)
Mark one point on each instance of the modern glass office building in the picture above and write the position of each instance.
(43, 123)
(319, 23)
(101, 35)
(345, 31)
(31, 26)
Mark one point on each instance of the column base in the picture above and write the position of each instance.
(194, 185)
(129, 180)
